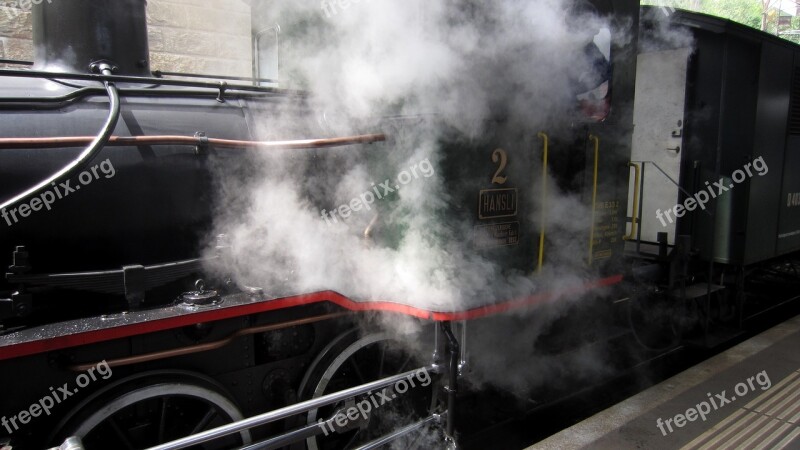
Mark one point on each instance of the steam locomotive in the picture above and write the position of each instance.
(122, 325)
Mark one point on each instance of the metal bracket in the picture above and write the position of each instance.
(103, 67)
(19, 305)
(202, 142)
(222, 87)
(134, 282)
(20, 263)
(201, 297)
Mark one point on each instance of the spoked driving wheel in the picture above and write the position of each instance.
(654, 318)
(151, 409)
(351, 361)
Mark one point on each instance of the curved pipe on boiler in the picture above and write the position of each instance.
(87, 155)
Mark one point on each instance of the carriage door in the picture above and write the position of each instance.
(658, 118)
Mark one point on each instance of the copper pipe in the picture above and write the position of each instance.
(163, 354)
(121, 141)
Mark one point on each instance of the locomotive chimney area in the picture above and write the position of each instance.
(81, 36)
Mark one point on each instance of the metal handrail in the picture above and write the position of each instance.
(669, 178)
(687, 193)
(546, 143)
(637, 171)
(596, 141)
(26, 73)
(196, 140)
(288, 411)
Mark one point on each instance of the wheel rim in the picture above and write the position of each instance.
(158, 413)
(334, 371)
(653, 321)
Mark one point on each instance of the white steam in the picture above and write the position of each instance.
(459, 60)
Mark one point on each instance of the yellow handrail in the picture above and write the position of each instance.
(546, 143)
(596, 141)
(634, 222)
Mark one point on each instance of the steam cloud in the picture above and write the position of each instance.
(460, 60)
(457, 60)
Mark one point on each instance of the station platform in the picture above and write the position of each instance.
(747, 397)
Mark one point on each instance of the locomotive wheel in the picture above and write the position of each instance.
(654, 320)
(153, 408)
(350, 361)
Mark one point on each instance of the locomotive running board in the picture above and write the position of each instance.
(58, 336)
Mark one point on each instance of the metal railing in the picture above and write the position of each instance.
(638, 186)
(289, 411)
(636, 219)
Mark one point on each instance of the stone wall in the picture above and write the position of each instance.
(200, 36)
(192, 36)
(15, 32)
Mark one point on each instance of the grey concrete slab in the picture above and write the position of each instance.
(755, 367)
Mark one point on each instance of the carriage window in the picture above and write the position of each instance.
(595, 100)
